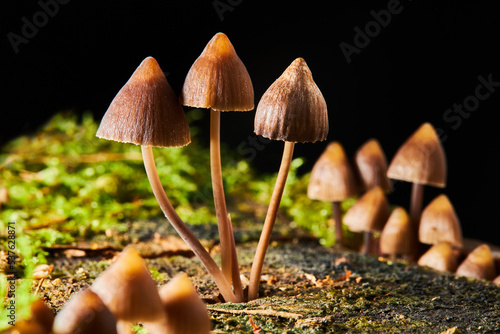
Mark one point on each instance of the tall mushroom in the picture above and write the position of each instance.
(369, 214)
(219, 80)
(291, 110)
(332, 180)
(394, 239)
(421, 161)
(371, 166)
(147, 112)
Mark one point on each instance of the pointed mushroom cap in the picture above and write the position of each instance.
(420, 159)
(371, 165)
(293, 108)
(146, 111)
(439, 223)
(85, 313)
(218, 79)
(395, 237)
(369, 213)
(439, 257)
(497, 280)
(478, 264)
(128, 290)
(332, 178)
(42, 314)
(185, 311)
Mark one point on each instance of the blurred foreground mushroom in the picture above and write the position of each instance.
(371, 166)
(439, 257)
(369, 214)
(291, 110)
(332, 180)
(421, 161)
(394, 239)
(478, 264)
(219, 80)
(40, 320)
(147, 112)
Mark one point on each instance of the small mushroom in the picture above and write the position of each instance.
(478, 264)
(185, 312)
(219, 80)
(421, 161)
(40, 320)
(127, 289)
(84, 313)
(497, 280)
(369, 214)
(394, 239)
(332, 180)
(439, 223)
(291, 110)
(147, 112)
(439, 257)
(371, 166)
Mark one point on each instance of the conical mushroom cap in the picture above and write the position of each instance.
(293, 108)
(74, 316)
(439, 223)
(218, 79)
(439, 257)
(497, 280)
(371, 165)
(420, 159)
(369, 213)
(395, 236)
(146, 111)
(478, 264)
(128, 290)
(332, 178)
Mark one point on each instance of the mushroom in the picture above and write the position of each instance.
(394, 239)
(185, 312)
(332, 180)
(371, 166)
(421, 161)
(478, 264)
(219, 80)
(291, 110)
(127, 289)
(369, 214)
(439, 223)
(40, 320)
(497, 280)
(85, 313)
(147, 112)
(439, 257)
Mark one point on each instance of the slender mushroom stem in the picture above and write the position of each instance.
(181, 227)
(265, 237)
(368, 242)
(237, 287)
(416, 201)
(219, 198)
(338, 222)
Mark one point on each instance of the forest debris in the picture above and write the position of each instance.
(255, 328)
(345, 277)
(267, 312)
(452, 330)
(74, 253)
(341, 260)
(42, 271)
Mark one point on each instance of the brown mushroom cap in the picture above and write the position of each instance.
(478, 264)
(218, 79)
(369, 213)
(420, 159)
(395, 236)
(371, 165)
(293, 108)
(497, 280)
(146, 111)
(332, 178)
(439, 257)
(85, 313)
(439, 223)
(128, 290)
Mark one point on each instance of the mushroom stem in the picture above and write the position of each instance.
(219, 198)
(181, 227)
(338, 222)
(416, 201)
(237, 287)
(368, 242)
(265, 237)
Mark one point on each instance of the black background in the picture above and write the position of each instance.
(427, 58)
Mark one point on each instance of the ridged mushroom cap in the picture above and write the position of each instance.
(395, 236)
(146, 111)
(420, 159)
(293, 108)
(439, 257)
(478, 264)
(371, 165)
(332, 178)
(218, 79)
(369, 213)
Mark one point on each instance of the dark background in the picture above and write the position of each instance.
(426, 59)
